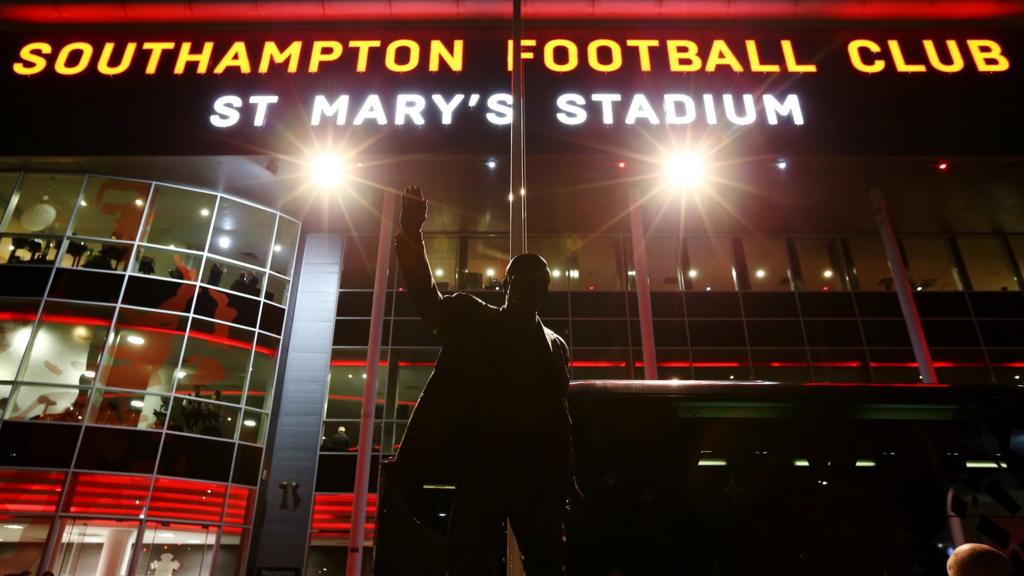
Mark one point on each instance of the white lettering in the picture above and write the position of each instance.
(689, 107)
(411, 106)
(572, 111)
(226, 108)
(322, 107)
(373, 109)
(447, 107)
(262, 103)
(501, 109)
(606, 101)
(790, 106)
(640, 107)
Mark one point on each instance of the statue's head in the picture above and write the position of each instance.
(526, 282)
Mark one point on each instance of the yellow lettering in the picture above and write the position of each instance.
(594, 59)
(363, 48)
(32, 61)
(156, 49)
(855, 48)
(755, 59)
(988, 56)
(643, 51)
(453, 57)
(900, 61)
(324, 51)
(391, 60)
(238, 57)
(103, 65)
(721, 55)
(957, 63)
(271, 53)
(572, 56)
(789, 56)
(61, 65)
(680, 51)
(523, 55)
(185, 55)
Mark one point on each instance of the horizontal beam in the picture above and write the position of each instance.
(279, 11)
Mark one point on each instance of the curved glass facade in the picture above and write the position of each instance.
(140, 325)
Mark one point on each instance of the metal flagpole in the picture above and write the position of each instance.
(366, 424)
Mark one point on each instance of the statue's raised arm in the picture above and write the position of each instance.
(412, 257)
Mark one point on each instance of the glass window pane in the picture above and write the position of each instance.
(254, 427)
(22, 541)
(7, 182)
(485, 264)
(233, 549)
(145, 351)
(167, 263)
(285, 244)
(820, 264)
(555, 250)
(204, 418)
(870, 266)
(115, 408)
(261, 379)
(988, 264)
(29, 492)
(276, 290)
(596, 263)
(83, 541)
(664, 256)
(48, 404)
(930, 264)
(711, 265)
(68, 343)
(179, 549)
(16, 319)
(242, 232)
(233, 277)
(111, 208)
(28, 250)
(360, 259)
(414, 368)
(178, 218)
(441, 255)
(345, 384)
(216, 361)
(43, 204)
(768, 264)
(96, 255)
(203, 501)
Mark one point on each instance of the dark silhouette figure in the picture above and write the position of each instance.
(493, 415)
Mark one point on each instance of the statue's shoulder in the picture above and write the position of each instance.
(555, 339)
(467, 304)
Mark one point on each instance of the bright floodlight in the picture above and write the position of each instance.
(327, 171)
(684, 170)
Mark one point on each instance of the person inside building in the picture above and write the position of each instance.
(494, 410)
(978, 560)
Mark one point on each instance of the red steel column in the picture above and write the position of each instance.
(906, 295)
(643, 286)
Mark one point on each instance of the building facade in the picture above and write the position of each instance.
(185, 312)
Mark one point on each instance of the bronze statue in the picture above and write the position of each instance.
(493, 414)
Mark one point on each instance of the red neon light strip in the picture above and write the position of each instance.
(88, 321)
(872, 385)
(269, 11)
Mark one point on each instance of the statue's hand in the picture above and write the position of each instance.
(414, 210)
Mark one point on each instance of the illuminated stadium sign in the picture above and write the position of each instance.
(798, 85)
